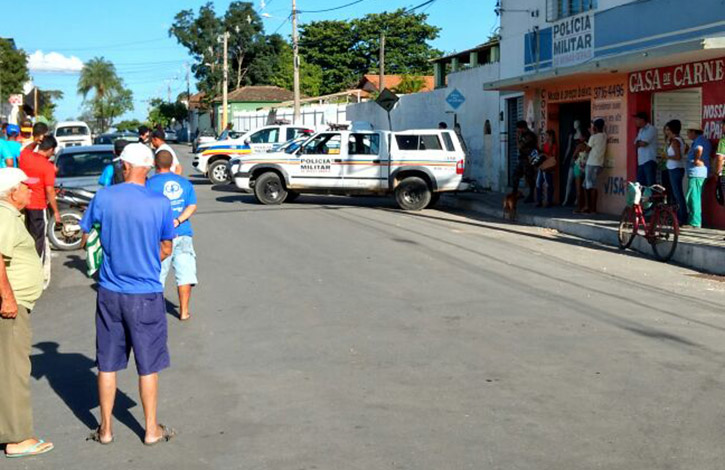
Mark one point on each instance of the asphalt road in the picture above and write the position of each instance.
(339, 333)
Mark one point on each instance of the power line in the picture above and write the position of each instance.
(332, 9)
(420, 6)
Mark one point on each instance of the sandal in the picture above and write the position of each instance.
(33, 450)
(167, 434)
(95, 436)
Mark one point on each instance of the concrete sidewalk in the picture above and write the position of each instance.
(703, 249)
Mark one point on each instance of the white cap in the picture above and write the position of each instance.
(138, 155)
(11, 177)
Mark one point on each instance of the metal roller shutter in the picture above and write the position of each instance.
(685, 105)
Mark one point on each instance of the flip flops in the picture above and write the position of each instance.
(95, 436)
(32, 450)
(167, 434)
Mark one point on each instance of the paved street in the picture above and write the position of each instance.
(339, 333)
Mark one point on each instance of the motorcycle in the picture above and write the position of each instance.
(72, 202)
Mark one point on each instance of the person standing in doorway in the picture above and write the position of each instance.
(698, 161)
(569, 163)
(137, 230)
(158, 142)
(597, 147)
(21, 285)
(183, 203)
(42, 193)
(527, 145)
(676, 167)
(545, 177)
(646, 146)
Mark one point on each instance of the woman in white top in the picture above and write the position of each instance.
(676, 152)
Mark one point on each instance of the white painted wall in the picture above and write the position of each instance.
(426, 110)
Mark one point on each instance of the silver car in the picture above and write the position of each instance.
(80, 167)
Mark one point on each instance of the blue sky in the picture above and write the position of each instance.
(134, 35)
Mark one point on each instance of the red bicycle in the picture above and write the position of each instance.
(662, 231)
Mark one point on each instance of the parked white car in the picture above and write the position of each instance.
(212, 159)
(415, 166)
(72, 134)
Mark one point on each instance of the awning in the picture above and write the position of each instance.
(671, 54)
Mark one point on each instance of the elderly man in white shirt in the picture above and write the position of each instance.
(646, 144)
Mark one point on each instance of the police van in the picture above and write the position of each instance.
(415, 166)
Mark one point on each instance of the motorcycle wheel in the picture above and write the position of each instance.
(67, 235)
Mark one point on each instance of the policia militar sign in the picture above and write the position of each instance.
(573, 40)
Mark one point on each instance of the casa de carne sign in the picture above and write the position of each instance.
(679, 76)
(573, 40)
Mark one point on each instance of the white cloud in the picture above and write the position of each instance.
(54, 62)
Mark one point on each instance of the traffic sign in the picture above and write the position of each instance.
(455, 99)
(387, 100)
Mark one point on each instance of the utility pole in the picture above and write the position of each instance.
(188, 102)
(168, 91)
(381, 85)
(225, 84)
(296, 59)
(35, 102)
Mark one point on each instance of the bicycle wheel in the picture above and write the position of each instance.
(666, 233)
(626, 232)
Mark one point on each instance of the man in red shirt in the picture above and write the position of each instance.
(37, 165)
(40, 130)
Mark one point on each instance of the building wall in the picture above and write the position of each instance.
(426, 110)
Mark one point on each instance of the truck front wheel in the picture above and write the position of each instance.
(269, 189)
(219, 172)
(413, 194)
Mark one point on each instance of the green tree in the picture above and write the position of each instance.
(13, 69)
(164, 113)
(330, 45)
(347, 50)
(283, 73)
(110, 98)
(410, 84)
(200, 34)
(128, 125)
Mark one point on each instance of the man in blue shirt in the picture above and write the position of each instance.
(698, 162)
(183, 203)
(10, 148)
(137, 230)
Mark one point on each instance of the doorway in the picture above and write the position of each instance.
(568, 113)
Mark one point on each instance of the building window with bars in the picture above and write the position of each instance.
(558, 9)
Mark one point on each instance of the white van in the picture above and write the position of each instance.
(415, 166)
(72, 134)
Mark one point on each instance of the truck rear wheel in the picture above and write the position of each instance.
(413, 194)
(269, 189)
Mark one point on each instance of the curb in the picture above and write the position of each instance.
(704, 258)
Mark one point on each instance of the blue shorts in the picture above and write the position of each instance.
(183, 258)
(131, 321)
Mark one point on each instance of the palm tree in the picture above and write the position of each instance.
(99, 76)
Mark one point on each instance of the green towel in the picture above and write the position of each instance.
(94, 251)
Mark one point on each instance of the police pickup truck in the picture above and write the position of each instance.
(415, 166)
(212, 159)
